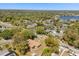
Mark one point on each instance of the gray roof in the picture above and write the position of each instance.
(7, 53)
(3, 52)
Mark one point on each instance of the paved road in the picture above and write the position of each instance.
(70, 48)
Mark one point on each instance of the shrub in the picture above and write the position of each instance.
(46, 52)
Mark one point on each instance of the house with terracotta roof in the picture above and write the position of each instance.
(33, 44)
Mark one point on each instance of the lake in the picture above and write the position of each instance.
(69, 17)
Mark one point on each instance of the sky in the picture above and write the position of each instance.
(40, 6)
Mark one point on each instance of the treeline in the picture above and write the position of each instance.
(71, 34)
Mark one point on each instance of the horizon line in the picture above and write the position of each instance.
(43, 9)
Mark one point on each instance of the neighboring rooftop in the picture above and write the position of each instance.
(7, 53)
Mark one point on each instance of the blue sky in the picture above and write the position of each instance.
(40, 6)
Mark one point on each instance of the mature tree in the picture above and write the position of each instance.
(40, 30)
(28, 34)
(7, 34)
(20, 44)
(53, 43)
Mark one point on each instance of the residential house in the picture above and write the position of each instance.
(33, 44)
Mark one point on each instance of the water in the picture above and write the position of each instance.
(69, 17)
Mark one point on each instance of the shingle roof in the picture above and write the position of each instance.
(33, 43)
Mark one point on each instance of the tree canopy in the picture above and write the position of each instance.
(7, 34)
(52, 43)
